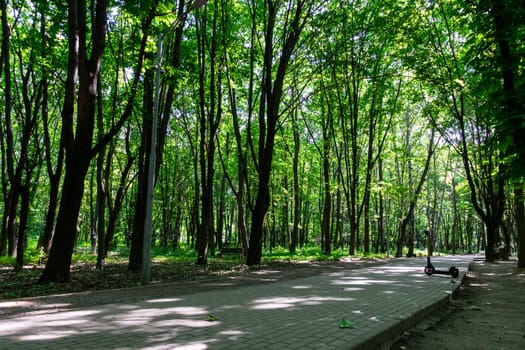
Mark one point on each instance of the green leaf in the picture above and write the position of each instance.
(345, 324)
(212, 318)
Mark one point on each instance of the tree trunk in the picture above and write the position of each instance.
(26, 162)
(242, 231)
(59, 261)
(219, 235)
(326, 238)
(100, 207)
(9, 229)
(488, 200)
(210, 114)
(519, 207)
(137, 238)
(271, 94)
(259, 212)
(114, 211)
(407, 224)
(505, 22)
(22, 230)
(414, 198)
(327, 208)
(456, 221)
(9, 212)
(381, 211)
(78, 147)
(54, 175)
(241, 218)
(296, 189)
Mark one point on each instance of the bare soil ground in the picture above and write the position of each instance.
(488, 313)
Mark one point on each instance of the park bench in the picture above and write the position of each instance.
(231, 251)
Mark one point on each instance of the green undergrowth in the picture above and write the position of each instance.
(168, 265)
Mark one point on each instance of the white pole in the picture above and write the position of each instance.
(150, 185)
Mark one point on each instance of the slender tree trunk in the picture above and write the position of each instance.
(338, 238)
(241, 218)
(137, 239)
(488, 200)
(456, 220)
(414, 198)
(272, 91)
(116, 208)
(9, 229)
(366, 219)
(242, 231)
(100, 207)
(407, 224)
(206, 197)
(26, 162)
(381, 210)
(325, 221)
(219, 236)
(519, 207)
(55, 174)
(22, 230)
(4, 59)
(210, 113)
(10, 198)
(102, 192)
(296, 189)
(327, 200)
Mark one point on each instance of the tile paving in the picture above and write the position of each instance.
(380, 301)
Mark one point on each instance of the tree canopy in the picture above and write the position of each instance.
(351, 124)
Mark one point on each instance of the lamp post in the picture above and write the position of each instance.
(145, 272)
(150, 182)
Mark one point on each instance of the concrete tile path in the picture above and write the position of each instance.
(379, 301)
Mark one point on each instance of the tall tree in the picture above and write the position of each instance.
(444, 66)
(509, 22)
(9, 196)
(210, 113)
(298, 13)
(413, 200)
(294, 236)
(53, 167)
(85, 52)
(173, 38)
(84, 67)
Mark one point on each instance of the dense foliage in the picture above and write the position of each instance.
(384, 126)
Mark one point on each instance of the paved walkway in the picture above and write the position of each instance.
(379, 301)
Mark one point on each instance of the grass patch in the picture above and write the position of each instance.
(306, 253)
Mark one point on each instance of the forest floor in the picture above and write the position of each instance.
(488, 313)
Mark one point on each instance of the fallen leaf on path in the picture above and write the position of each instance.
(345, 324)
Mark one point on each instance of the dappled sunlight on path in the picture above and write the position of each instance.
(301, 313)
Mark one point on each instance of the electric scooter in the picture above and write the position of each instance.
(431, 270)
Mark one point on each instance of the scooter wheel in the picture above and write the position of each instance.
(453, 271)
(429, 270)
